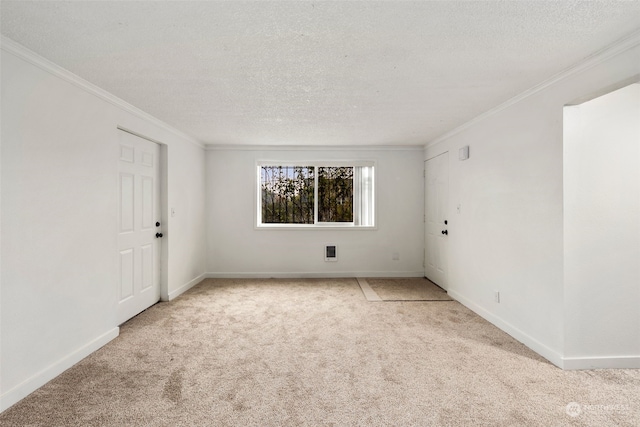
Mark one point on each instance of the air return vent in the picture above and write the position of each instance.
(330, 253)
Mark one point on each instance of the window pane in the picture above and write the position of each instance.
(287, 194)
(335, 194)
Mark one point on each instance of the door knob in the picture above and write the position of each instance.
(445, 222)
(445, 232)
(158, 224)
(158, 235)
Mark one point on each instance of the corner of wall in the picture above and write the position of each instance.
(9, 398)
(548, 353)
(184, 288)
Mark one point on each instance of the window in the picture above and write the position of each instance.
(339, 195)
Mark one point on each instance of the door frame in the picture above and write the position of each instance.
(164, 209)
(445, 283)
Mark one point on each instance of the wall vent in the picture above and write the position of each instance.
(330, 253)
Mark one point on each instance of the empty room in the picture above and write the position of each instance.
(308, 213)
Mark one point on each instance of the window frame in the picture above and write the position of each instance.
(257, 211)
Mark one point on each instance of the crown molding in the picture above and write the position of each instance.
(591, 61)
(239, 147)
(33, 58)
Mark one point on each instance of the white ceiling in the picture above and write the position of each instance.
(315, 72)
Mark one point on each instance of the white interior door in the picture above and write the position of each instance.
(139, 228)
(436, 222)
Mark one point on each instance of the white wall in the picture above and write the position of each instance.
(509, 233)
(186, 234)
(602, 227)
(59, 218)
(237, 249)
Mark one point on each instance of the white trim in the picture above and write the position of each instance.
(213, 147)
(433, 157)
(312, 275)
(184, 288)
(30, 385)
(603, 91)
(596, 58)
(33, 58)
(317, 163)
(257, 213)
(606, 362)
(319, 226)
(139, 135)
(535, 345)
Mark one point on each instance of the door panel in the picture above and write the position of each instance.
(126, 153)
(436, 219)
(147, 266)
(126, 274)
(139, 210)
(126, 202)
(147, 203)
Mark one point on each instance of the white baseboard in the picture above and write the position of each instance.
(22, 390)
(184, 288)
(607, 362)
(535, 345)
(312, 275)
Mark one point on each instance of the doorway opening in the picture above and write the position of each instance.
(601, 168)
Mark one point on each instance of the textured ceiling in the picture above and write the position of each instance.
(316, 73)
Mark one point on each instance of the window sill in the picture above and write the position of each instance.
(314, 227)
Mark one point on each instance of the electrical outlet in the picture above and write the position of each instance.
(395, 256)
(496, 296)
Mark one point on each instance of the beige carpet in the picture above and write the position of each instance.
(405, 289)
(316, 353)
